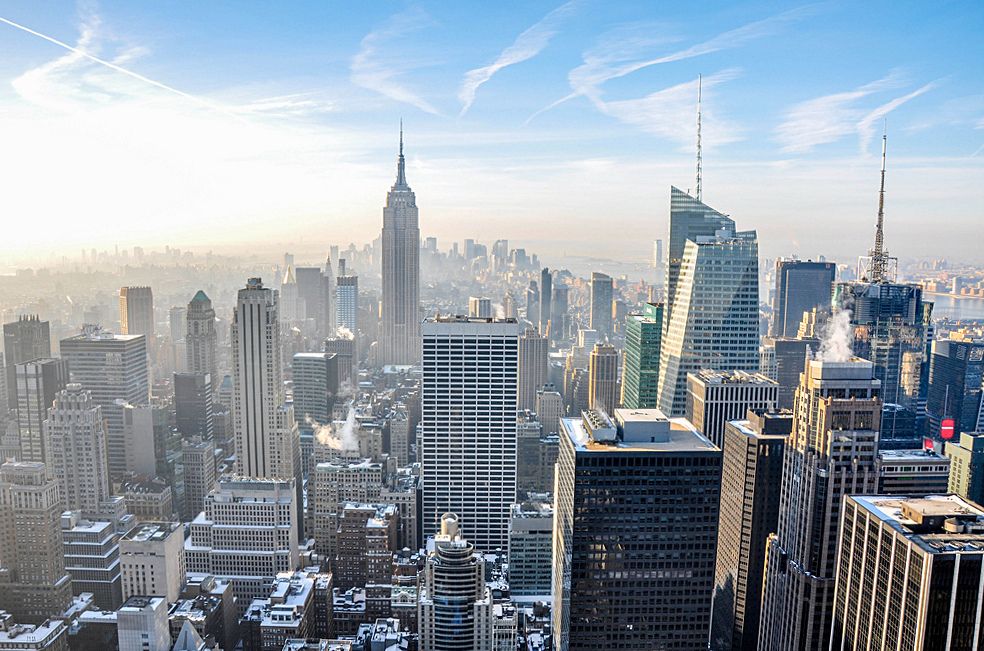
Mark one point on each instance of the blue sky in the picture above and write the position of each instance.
(558, 124)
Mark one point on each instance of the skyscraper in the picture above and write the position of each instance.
(315, 388)
(267, 444)
(716, 397)
(533, 358)
(480, 307)
(76, 457)
(751, 481)
(468, 425)
(113, 368)
(603, 378)
(831, 453)
(36, 383)
(26, 339)
(198, 463)
(546, 300)
(558, 312)
(533, 303)
(640, 360)
(137, 311)
(601, 304)
(801, 285)
(200, 338)
(193, 405)
(400, 334)
(347, 302)
(909, 574)
(955, 384)
(713, 319)
(33, 584)
(636, 513)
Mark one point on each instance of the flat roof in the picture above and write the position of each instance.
(683, 437)
(893, 510)
(712, 376)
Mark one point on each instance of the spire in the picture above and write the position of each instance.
(879, 256)
(698, 197)
(401, 174)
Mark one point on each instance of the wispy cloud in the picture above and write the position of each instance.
(614, 57)
(373, 69)
(832, 117)
(526, 46)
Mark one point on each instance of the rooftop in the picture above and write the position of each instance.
(935, 523)
(711, 376)
(151, 531)
(668, 434)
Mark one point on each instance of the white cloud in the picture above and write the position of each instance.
(526, 46)
(378, 71)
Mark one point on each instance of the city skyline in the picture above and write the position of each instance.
(298, 135)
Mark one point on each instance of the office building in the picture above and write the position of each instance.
(33, 583)
(137, 311)
(909, 574)
(955, 370)
(399, 426)
(831, 453)
(546, 301)
(245, 534)
(751, 482)
(559, 323)
(801, 285)
(603, 378)
(35, 385)
(549, 409)
(315, 388)
(468, 425)
(26, 339)
(267, 443)
(912, 472)
(76, 437)
(148, 500)
(601, 304)
(534, 350)
(618, 486)
(454, 604)
(787, 357)
(152, 560)
(640, 359)
(343, 347)
(91, 547)
(967, 466)
(400, 306)
(198, 463)
(714, 320)
(530, 550)
(336, 483)
(480, 307)
(51, 635)
(657, 254)
(142, 624)
(113, 369)
(201, 338)
(193, 409)
(347, 302)
(316, 292)
(533, 304)
(367, 539)
(716, 397)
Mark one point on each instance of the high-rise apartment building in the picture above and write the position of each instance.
(909, 574)
(714, 319)
(76, 437)
(35, 385)
(546, 300)
(831, 453)
(400, 332)
(33, 583)
(347, 302)
(198, 463)
(152, 560)
(201, 338)
(26, 339)
(636, 516)
(468, 425)
(640, 359)
(137, 311)
(603, 378)
(455, 609)
(967, 466)
(801, 285)
(113, 369)
(315, 388)
(956, 368)
(716, 397)
(751, 482)
(534, 350)
(193, 408)
(601, 304)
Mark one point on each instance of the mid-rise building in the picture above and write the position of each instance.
(468, 425)
(142, 624)
(201, 338)
(336, 483)
(912, 472)
(716, 397)
(137, 311)
(601, 304)
(549, 409)
(618, 486)
(315, 388)
(967, 466)
(152, 560)
(367, 539)
(603, 378)
(35, 384)
(76, 439)
(92, 558)
(51, 635)
(149, 499)
(530, 550)
(200, 478)
(801, 285)
(640, 362)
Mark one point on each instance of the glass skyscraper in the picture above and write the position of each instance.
(640, 365)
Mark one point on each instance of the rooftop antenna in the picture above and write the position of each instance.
(698, 138)
(879, 256)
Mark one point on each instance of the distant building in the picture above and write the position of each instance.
(640, 365)
(315, 388)
(912, 472)
(601, 304)
(716, 397)
(546, 300)
(967, 466)
(480, 307)
(26, 339)
(347, 298)
(200, 479)
(137, 311)
(533, 357)
(193, 405)
(201, 338)
(788, 358)
(603, 378)
(35, 385)
(801, 285)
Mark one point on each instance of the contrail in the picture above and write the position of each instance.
(113, 66)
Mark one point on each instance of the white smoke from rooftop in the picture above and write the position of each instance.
(344, 333)
(836, 338)
(339, 435)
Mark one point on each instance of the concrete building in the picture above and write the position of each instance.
(142, 624)
(201, 338)
(193, 407)
(347, 302)
(533, 356)
(399, 339)
(113, 369)
(455, 605)
(33, 583)
(603, 378)
(468, 425)
(26, 339)
(51, 635)
(35, 384)
(336, 483)
(149, 500)
(137, 311)
(315, 388)
(530, 551)
(912, 472)
(367, 538)
(480, 307)
(831, 453)
(92, 558)
(76, 440)
(601, 304)
(751, 482)
(967, 466)
(152, 560)
(200, 478)
(640, 363)
(549, 408)
(716, 397)
(801, 285)
(909, 574)
(618, 484)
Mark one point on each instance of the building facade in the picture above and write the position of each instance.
(716, 397)
(640, 364)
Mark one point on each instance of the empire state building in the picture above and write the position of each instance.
(400, 336)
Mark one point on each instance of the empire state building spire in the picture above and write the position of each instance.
(401, 166)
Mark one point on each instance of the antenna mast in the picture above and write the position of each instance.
(879, 257)
(698, 139)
